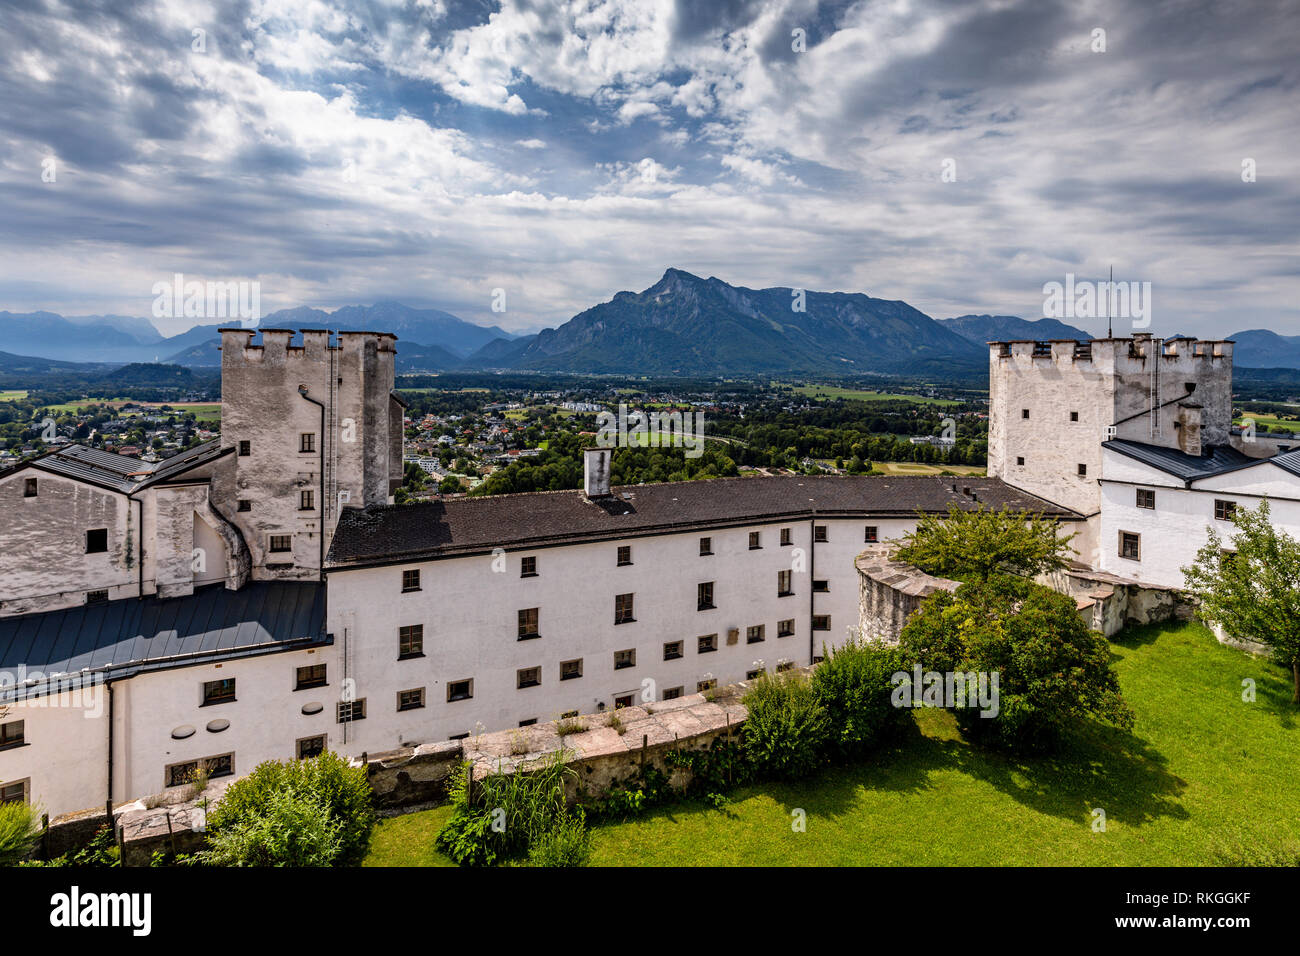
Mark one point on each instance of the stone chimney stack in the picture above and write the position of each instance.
(595, 472)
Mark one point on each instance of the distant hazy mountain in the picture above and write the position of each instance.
(425, 358)
(32, 365)
(420, 326)
(982, 329)
(686, 325)
(52, 336)
(1260, 348)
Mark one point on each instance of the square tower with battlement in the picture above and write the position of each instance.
(315, 427)
(1052, 404)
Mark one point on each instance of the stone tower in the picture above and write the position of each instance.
(315, 427)
(1052, 404)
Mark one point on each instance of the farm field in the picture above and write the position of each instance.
(832, 392)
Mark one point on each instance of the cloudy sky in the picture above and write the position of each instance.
(431, 151)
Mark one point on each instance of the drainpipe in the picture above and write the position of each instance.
(320, 505)
(108, 803)
(812, 594)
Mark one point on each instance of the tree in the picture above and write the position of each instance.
(1251, 587)
(449, 485)
(977, 544)
(1050, 669)
(20, 830)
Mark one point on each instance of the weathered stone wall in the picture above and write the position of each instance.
(890, 593)
(1109, 603)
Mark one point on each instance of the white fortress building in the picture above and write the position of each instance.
(259, 597)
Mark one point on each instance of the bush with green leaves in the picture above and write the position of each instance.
(343, 790)
(509, 814)
(1052, 670)
(565, 844)
(289, 828)
(975, 544)
(854, 684)
(787, 729)
(20, 831)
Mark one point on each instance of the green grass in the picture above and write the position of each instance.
(12, 394)
(832, 392)
(1272, 421)
(408, 840)
(203, 411)
(920, 468)
(1202, 773)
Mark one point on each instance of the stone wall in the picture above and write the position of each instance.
(890, 592)
(1109, 603)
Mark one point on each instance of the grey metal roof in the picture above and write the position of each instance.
(469, 525)
(1217, 460)
(120, 472)
(1290, 461)
(62, 650)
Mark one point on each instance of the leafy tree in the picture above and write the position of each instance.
(977, 544)
(449, 485)
(1251, 587)
(1051, 669)
(20, 829)
(854, 685)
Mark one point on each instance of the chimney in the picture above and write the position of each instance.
(595, 472)
(1189, 429)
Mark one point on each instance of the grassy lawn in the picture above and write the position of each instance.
(920, 468)
(1201, 773)
(203, 411)
(832, 392)
(12, 394)
(1272, 421)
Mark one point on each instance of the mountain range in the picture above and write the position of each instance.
(683, 325)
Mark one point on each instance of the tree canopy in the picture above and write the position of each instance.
(977, 544)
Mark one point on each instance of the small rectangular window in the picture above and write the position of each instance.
(97, 597)
(784, 583)
(528, 624)
(96, 541)
(306, 500)
(528, 723)
(819, 533)
(821, 622)
(706, 643)
(29, 488)
(1024, 413)
(528, 566)
(1020, 460)
(1083, 470)
(821, 586)
(674, 650)
(625, 700)
(15, 792)
(411, 580)
(410, 699)
(623, 609)
(571, 670)
(1224, 510)
(624, 659)
(704, 596)
(182, 773)
(624, 554)
(12, 734)
(568, 715)
(244, 505)
(706, 546)
(672, 693)
(755, 633)
(1146, 498)
(1074, 416)
(785, 666)
(755, 674)
(755, 541)
(785, 628)
(313, 675)
(219, 691)
(245, 448)
(872, 534)
(309, 747)
(281, 542)
(350, 710)
(307, 441)
(785, 536)
(528, 677)
(1130, 545)
(460, 690)
(410, 641)
(702, 686)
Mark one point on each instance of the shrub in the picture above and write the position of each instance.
(343, 790)
(509, 814)
(290, 828)
(567, 843)
(570, 725)
(854, 685)
(20, 830)
(787, 729)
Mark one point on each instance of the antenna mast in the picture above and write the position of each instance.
(1110, 286)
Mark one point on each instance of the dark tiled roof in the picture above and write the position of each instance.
(121, 472)
(469, 525)
(1288, 462)
(69, 648)
(1217, 460)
